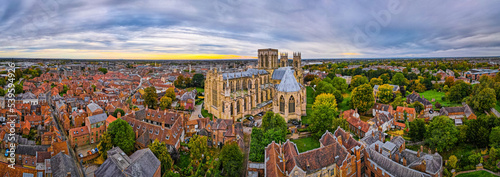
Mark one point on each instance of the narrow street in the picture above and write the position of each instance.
(65, 138)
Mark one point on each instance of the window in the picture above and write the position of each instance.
(214, 94)
(291, 105)
(282, 104)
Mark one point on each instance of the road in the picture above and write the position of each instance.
(65, 137)
(196, 112)
(135, 90)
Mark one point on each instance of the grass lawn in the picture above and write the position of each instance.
(430, 94)
(477, 173)
(200, 90)
(345, 103)
(205, 113)
(305, 144)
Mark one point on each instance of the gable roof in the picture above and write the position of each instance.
(288, 83)
(97, 118)
(61, 164)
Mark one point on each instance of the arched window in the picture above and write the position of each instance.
(244, 104)
(249, 85)
(291, 105)
(282, 104)
(237, 107)
(232, 110)
(266, 59)
(214, 94)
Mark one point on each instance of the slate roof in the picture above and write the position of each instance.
(416, 97)
(280, 72)
(288, 83)
(93, 107)
(97, 118)
(247, 73)
(61, 164)
(391, 167)
(142, 163)
(30, 149)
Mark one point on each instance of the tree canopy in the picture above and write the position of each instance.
(231, 158)
(159, 149)
(150, 97)
(385, 94)
(362, 98)
(399, 79)
(122, 135)
(442, 133)
(324, 112)
(358, 80)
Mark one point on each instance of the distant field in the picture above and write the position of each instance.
(476, 173)
(305, 144)
(430, 94)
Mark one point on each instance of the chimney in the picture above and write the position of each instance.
(418, 153)
(339, 139)
(391, 137)
(404, 161)
(397, 157)
(376, 147)
(430, 151)
(380, 137)
(68, 174)
(119, 115)
(421, 148)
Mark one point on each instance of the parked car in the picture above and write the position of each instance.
(80, 155)
(93, 151)
(96, 150)
(6, 152)
(200, 116)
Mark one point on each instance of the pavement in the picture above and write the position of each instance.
(196, 112)
(83, 149)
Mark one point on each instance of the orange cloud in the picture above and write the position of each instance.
(351, 54)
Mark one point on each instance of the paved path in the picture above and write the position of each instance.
(498, 174)
(196, 112)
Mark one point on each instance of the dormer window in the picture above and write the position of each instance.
(139, 126)
(143, 128)
(167, 137)
(151, 131)
(172, 119)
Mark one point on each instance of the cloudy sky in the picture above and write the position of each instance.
(213, 29)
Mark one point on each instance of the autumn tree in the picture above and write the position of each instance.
(385, 94)
(358, 80)
(160, 150)
(362, 98)
(376, 81)
(449, 81)
(165, 102)
(452, 161)
(197, 147)
(105, 145)
(324, 111)
(170, 93)
(458, 91)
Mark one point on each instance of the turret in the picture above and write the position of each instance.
(296, 60)
(283, 59)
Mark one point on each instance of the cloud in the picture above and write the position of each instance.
(318, 29)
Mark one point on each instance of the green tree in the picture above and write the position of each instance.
(122, 135)
(452, 161)
(475, 158)
(376, 81)
(150, 97)
(105, 145)
(324, 111)
(478, 131)
(495, 137)
(103, 70)
(417, 130)
(442, 133)
(399, 79)
(118, 110)
(418, 107)
(484, 100)
(340, 84)
(231, 158)
(165, 102)
(398, 101)
(324, 87)
(358, 80)
(256, 145)
(170, 93)
(362, 98)
(385, 94)
(458, 91)
(493, 154)
(2, 92)
(198, 148)
(497, 77)
(198, 80)
(18, 88)
(159, 149)
(274, 121)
